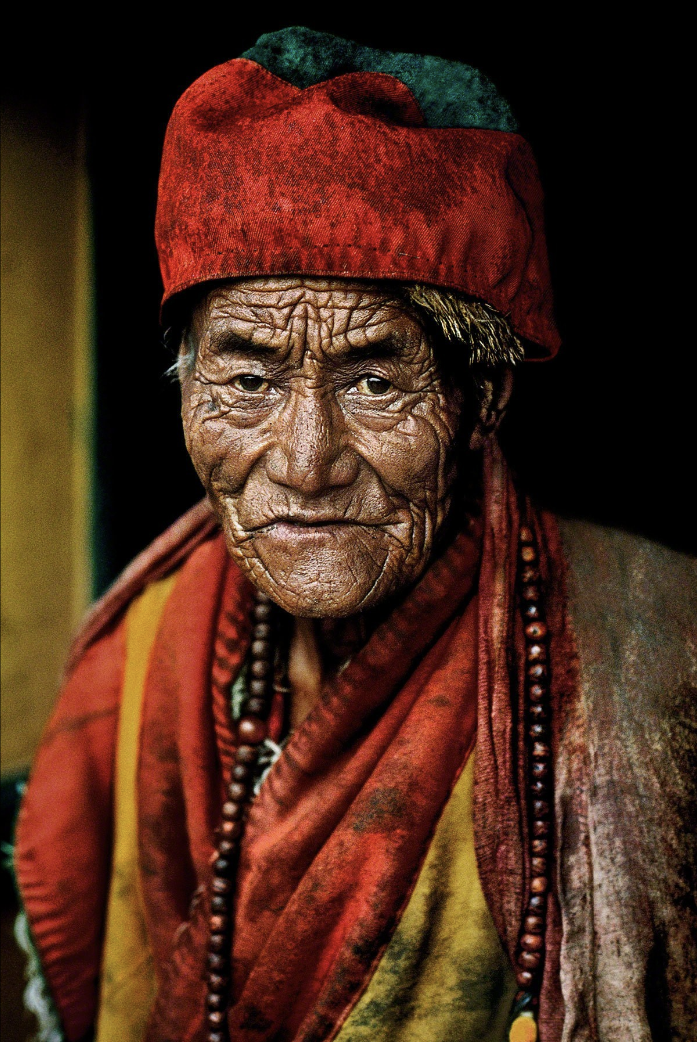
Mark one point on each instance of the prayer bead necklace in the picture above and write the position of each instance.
(531, 936)
(252, 733)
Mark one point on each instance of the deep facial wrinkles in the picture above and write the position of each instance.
(324, 433)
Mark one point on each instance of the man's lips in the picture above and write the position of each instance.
(301, 524)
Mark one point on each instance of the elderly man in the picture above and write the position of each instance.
(259, 811)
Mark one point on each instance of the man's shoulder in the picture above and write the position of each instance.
(159, 559)
(628, 562)
(633, 608)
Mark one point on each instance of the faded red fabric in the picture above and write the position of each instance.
(500, 806)
(345, 179)
(354, 797)
(65, 832)
(336, 837)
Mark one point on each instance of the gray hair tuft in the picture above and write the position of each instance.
(485, 332)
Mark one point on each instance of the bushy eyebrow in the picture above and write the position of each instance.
(232, 342)
(389, 347)
(227, 341)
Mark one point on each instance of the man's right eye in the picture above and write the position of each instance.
(248, 382)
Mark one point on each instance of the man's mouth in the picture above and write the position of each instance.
(311, 521)
(300, 525)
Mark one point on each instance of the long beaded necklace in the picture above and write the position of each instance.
(252, 734)
(531, 935)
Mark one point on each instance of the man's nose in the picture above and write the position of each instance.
(309, 451)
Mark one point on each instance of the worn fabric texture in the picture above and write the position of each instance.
(345, 802)
(260, 177)
(626, 792)
(444, 974)
(624, 806)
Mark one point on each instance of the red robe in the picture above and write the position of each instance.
(356, 794)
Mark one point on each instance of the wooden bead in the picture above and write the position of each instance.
(531, 942)
(526, 534)
(222, 866)
(537, 902)
(533, 924)
(540, 770)
(529, 960)
(537, 693)
(529, 574)
(539, 866)
(262, 631)
(524, 979)
(220, 885)
(215, 1017)
(530, 592)
(537, 712)
(217, 982)
(532, 611)
(258, 687)
(230, 830)
(541, 751)
(536, 653)
(538, 788)
(262, 612)
(540, 809)
(257, 707)
(232, 809)
(260, 669)
(218, 903)
(214, 1000)
(246, 754)
(538, 671)
(218, 923)
(540, 828)
(528, 554)
(538, 731)
(535, 630)
(216, 942)
(252, 730)
(539, 847)
(262, 649)
(238, 793)
(226, 846)
(241, 772)
(539, 884)
(217, 1036)
(216, 961)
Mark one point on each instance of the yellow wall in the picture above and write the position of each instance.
(46, 414)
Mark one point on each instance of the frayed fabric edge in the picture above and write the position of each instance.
(36, 995)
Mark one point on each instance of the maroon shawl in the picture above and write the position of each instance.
(336, 838)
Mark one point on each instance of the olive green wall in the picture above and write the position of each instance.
(46, 414)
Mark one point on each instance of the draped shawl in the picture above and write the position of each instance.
(346, 801)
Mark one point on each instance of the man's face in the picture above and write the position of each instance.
(324, 433)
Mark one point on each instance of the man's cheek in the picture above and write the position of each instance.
(410, 462)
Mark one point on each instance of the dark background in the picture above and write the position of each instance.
(606, 430)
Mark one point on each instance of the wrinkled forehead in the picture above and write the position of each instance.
(282, 311)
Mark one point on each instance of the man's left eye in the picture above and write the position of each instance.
(248, 382)
(373, 385)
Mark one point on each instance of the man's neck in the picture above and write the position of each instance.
(318, 648)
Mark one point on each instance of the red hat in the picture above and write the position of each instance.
(344, 178)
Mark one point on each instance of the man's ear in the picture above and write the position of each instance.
(494, 391)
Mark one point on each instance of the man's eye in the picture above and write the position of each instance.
(248, 382)
(373, 385)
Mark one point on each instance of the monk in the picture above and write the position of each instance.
(366, 746)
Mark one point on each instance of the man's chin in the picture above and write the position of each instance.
(320, 573)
